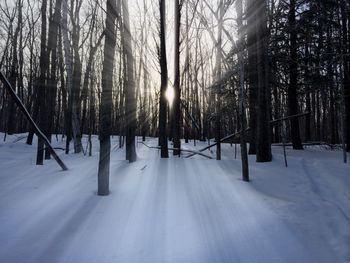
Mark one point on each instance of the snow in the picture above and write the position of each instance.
(175, 210)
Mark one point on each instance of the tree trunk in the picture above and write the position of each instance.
(11, 124)
(293, 79)
(76, 77)
(346, 69)
(52, 80)
(106, 99)
(177, 91)
(263, 140)
(217, 78)
(252, 72)
(307, 95)
(163, 141)
(41, 83)
(72, 114)
(130, 99)
(242, 117)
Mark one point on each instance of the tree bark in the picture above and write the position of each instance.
(242, 117)
(73, 121)
(52, 80)
(293, 78)
(346, 68)
(130, 99)
(252, 72)
(217, 74)
(106, 99)
(263, 140)
(177, 90)
(163, 141)
(42, 82)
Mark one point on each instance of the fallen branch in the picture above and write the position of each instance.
(214, 144)
(182, 150)
(332, 146)
(290, 117)
(248, 129)
(37, 131)
(19, 139)
(58, 148)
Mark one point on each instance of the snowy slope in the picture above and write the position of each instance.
(176, 210)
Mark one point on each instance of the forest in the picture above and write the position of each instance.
(94, 84)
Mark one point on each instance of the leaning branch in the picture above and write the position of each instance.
(37, 131)
(290, 117)
(182, 150)
(214, 144)
(248, 129)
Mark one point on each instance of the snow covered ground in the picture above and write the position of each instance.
(175, 210)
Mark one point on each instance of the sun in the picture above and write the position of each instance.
(170, 94)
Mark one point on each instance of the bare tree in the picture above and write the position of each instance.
(51, 89)
(130, 99)
(242, 116)
(106, 100)
(293, 78)
(163, 142)
(177, 91)
(263, 139)
(74, 126)
(42, 82)
(252, 71)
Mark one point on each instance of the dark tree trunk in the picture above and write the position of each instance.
(41, 84)
(77, 73)
(346, 69)
(88, 72)
(242, 115)
(11, 124)
(52, 81)
(307, 95)
(177, 91)
(252, 72)
(130, 99)
(263, 140)
(106, 100)
(163, 142)
(217, 75)
(293, 79)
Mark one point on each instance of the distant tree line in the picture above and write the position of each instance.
(88, 67)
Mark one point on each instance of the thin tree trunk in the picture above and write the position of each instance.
(74, 122)
(217, 78)
(177, 91)
(41, 83)
(252, 72)
(106, 100)
(346, 71)
(130, 99)
(293, 79)
(163, 141)
(242, 117)
(52, 80)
